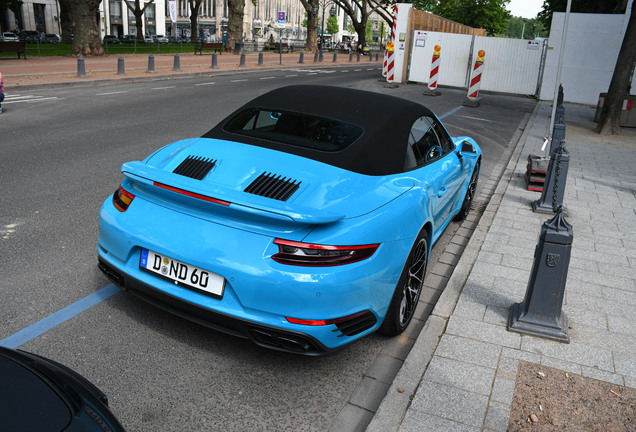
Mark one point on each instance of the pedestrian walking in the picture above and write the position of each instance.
(1, 92)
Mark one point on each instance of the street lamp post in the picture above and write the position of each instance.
(332, 11)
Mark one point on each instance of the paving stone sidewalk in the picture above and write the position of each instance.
(461, 373)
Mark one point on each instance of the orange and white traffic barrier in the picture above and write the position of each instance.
(390, 50)
(432, 81)
(390, 61)
(475, 80)
(384, 65)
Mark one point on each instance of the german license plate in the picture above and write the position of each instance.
(181, 273)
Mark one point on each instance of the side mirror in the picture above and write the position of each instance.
(467, 149)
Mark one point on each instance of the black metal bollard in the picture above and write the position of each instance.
(81, 67)
(558, 135)
(559, 114)
(121, 69)
(321, 57)
(215, 64)
(560, 96)
(316, 57)
(358, 56)
(540, 312)
(151, 64)
(301, 60)
(377, 56)
(335, 57)
(350, 57)
(177, 63)
(260, 59)
(554, 187)
(242, 61)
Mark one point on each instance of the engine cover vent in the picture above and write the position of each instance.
(196, 167)
(273, 186)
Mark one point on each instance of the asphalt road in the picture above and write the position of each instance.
(61, 150)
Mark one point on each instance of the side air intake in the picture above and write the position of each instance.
(196, 167)
(273, 186)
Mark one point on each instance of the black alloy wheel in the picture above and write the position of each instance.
(409, 287)
(470, 195)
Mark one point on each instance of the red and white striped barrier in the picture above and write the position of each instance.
(384, 66)
(390, 50)
(627, 104)
(432, 81)
(475, 80)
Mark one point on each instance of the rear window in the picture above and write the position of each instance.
(302, 130)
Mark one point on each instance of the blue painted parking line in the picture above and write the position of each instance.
(46, 324)
(453, 111)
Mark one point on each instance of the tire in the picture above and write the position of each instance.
(470, 195)
(408, 289)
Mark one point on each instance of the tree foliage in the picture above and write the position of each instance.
(609, 120)
(516, 28)
(487, 14)
(332, 26)
(582, 6)
(359, 12)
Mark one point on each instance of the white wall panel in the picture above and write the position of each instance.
(454, 54)
(510, 66)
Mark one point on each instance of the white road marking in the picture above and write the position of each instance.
(477, 118)
(110, 93)
(264, 78)
(162, 88)
(207, 83)
(241, 80)
(27, 99)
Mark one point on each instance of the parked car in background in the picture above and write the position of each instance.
(148, 39)
(52, 38)
(9, 37)
(111, 39)
(39, 394)
(160, 39)
(174, 39)
(127, 38)
(29, 36)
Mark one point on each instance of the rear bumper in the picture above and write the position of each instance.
(269, 337)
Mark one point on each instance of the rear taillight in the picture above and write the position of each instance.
(314, 255)
(122, 199)
(325, 322)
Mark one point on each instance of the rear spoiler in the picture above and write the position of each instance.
(234, 198)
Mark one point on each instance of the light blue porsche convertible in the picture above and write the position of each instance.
(303, 221)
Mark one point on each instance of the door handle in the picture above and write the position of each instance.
(442, 191)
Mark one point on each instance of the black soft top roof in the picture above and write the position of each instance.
(385, 120)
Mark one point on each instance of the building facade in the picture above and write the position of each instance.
(260, 21)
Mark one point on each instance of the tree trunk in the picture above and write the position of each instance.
(609, 120)
(86, 40)
(361, 31)
(236, 11)
(66, 21)
(194, 20)
(311, 45)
